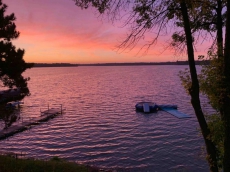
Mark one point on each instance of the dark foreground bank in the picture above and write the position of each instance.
(12, 164)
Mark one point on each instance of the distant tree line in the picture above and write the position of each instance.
(54, 65)
(204, 62)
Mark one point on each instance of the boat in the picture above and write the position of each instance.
(146, 107)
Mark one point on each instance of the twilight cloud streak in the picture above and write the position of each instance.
(59, 31)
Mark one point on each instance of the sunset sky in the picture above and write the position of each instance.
(59, 31)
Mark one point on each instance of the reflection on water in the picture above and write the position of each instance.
(100, 125)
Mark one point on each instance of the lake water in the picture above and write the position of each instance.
(100, 125)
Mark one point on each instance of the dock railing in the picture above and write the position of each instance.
(15, 155)
(56, 107)
(24, 125)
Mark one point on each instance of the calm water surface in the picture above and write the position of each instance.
(100, 125)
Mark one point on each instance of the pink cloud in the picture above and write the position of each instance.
(57, 30)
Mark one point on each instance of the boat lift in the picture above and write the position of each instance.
(149, 107)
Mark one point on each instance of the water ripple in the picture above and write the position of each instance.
(100, 125)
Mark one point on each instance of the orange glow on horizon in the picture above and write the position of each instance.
(62, 32)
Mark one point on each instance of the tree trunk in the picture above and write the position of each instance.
(219, 27)
(194, 91)
(226, 102)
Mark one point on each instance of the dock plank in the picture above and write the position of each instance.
(176, 113)
(45, 116)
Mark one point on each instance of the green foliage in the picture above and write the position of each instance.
(8, 115)
(211, 79)
(12, 64)
(216, 127)
(185, 79)
(56, 158)
(9, 164)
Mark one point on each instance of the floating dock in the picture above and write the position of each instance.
(45, 116)
(175, 113)
(171, 109)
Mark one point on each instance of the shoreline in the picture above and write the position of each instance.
(205, 62)
(23, 163)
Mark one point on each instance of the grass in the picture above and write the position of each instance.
(11, 164)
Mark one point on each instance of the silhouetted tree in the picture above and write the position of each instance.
(216, 77)
(192, 16)
(12, 64)
(226, 93)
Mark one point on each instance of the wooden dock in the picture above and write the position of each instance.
(45, 116)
